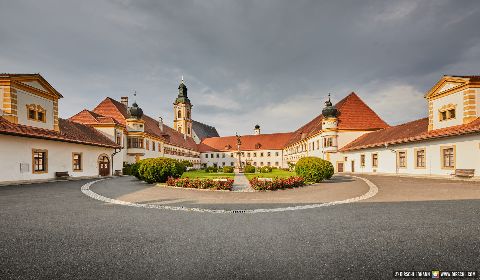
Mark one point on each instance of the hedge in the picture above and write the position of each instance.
(228, 169)
(211, 169)
(265, 169)
(221, 184)
(277, 183)
(157, 170)
(314, 169)
(249, 169)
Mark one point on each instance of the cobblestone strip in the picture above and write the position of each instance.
(373, 190)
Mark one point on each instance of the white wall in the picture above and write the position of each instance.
(228, 159)
(16, 150)
(467, 153)
(455, 98)
(23, 99)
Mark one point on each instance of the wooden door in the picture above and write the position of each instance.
(353, 166)
(340, 167)
(104, 166)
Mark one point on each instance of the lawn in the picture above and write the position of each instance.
(275, 173)
(204, 175)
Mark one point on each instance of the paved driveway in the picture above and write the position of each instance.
(54, 231)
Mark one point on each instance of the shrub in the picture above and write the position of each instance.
(157, 170)
(211, 169)
(228, 169)
(265, 169)
(277, 183)
(314, 169)
(249, 169)
(187, 163)
(220, 184)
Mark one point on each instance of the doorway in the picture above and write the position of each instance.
(353, 166)
(339, 166)
(103, 165)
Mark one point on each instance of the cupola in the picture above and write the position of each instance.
(135, 112)
(329, 111)
(182, 93)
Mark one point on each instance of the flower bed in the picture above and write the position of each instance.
(260, 184)
(216, 184)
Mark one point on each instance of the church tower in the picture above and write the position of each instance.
(182, 109)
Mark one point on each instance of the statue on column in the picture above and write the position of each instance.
(239, 143)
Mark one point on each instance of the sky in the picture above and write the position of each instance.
(263, 62)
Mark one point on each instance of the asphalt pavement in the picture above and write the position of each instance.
(54, 231)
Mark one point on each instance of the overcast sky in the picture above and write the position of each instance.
(244, 62)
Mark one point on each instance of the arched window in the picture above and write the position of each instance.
(188, 114)
(188, 130)
(179, 114)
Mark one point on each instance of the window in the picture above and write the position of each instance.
(268, 163)
(77, 161)
(147, 144)
(328, 142)
(448, 157)
(188, 130)
(276, 154)
(318, 144)
(268, 154)
(231, 163)
(261, 163)
(374, 160)
(248, 154)
(218, 156)
(447, 112)
(179, 114)
(36, 113)
(254, 154)
(159, 147)
(255, 163)
(261, 154)
(362, 160)
(211, 155)
(135, 142)
(231, 154)
(402, 159)
(206, 155)
(153, 145)
(276, 163)
(39, 161)
(223, 155)
(223, 163)
(119, 138)
(420, 158)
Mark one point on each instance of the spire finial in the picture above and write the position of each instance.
(182, 78)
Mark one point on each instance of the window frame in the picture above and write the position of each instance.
(416, 150)
(374, 159)
(442, 156)
(80, 163)
(362, 160)
(398, 159)
(45, 161)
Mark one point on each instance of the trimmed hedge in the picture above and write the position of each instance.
(224, 184)
(314, 169)
(157, 170)
(211, 169)
(228, 169)
(249, 169)
(277, 183)
(265, 169)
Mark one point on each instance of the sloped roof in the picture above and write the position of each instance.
(92, 118)
(409, 132)
(275, 141)
(112, 108)
(353, 114)
(35, 76)
(69, 132)
(203, 130)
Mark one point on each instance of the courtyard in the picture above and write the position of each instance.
(53, 230)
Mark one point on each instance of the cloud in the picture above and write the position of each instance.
(245, 62)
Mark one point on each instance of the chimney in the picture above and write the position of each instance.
(124, 101)
(160, 123)
(256, 131)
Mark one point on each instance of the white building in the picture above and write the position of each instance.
(35, 143)
(446, 141)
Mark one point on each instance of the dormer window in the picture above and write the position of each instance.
(36, 113)
(447, 112)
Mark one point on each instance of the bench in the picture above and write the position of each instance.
(62, 174)
(464, 172)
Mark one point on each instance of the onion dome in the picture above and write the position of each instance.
(257, 126)
(135, 111)
(329, 111)
(182, 94)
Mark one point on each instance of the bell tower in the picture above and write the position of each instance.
(182, 109)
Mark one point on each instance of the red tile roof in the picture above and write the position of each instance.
(92, 118)
(353, 114)
(111, 108)
(69, 132)
(409, 132)
(275, 141)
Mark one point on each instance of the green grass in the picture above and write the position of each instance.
(204, 175)
(275, 173)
